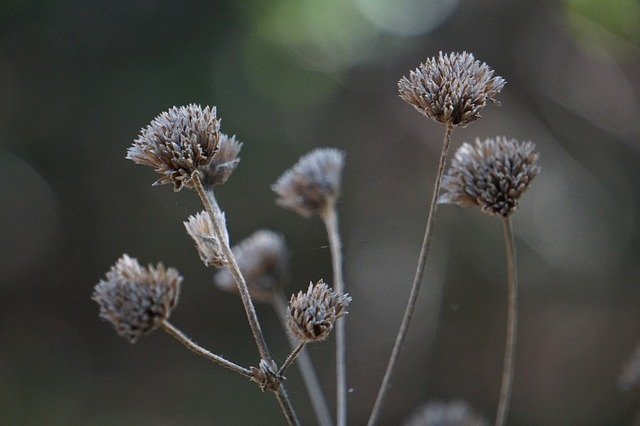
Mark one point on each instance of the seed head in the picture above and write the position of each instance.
(313, 314)
(135, 300)
(451, 88)
(491, 174)
(177, 143)
(630, 375)
(313, 183)
(224, 162)
(263, 259)
(200, 228)
(440, 413)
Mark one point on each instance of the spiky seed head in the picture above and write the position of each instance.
(311, 315)
(263, 259)
(441, 413)
(224, 162)
(491, 174)
(134, 299)
(451, 88)
(177, 143)
(629, 378)
(313, 183)
(200, 228)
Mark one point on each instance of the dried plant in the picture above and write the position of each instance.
(441, 413)
(224, 162)
(200, 228)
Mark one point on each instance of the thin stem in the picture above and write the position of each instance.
(182, 338)
(212, 208)
(417, 280)
(512, 324)
(330, 218)
(305, 365)
(292, 356)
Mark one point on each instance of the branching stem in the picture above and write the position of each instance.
(292, 357)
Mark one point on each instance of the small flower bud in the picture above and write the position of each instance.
(200, 228)
(263, 259)
(451, 88)
(313, 183)
(177, 143)
(491, 174)
(440, 413)
(135, 300)
(313, 314)
(224, 162)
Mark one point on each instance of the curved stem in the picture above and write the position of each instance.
(417, 280)
(182, 338)
(330, 218)
(292, 356)
(305, 365)
(512, 324)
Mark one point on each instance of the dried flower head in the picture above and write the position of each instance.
(491, 174)
(451, 88)
(440, 413)
(263, 259)
(313, 314)
(630, 375)
(313, 183)
(224, 162)
(177, 143)
(136, 299)
(200, 228)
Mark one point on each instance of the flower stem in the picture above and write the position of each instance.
(305, 365)
(417, 280)
(330, 218)
(211, 206)
(292, 356)
(512, 324)
(182, 338)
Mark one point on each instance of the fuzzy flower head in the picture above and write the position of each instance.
(440, 413)
(451, 88)
(491, 174)
(311, 315)
(134, 299)
(313, 184)
(224, 162)
(177, 143)
(263, 259)
(200, 228)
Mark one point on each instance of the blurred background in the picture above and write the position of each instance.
(78, 79)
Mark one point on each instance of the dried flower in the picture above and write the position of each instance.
(177, 143)
(200, 228)
(313, 314)
(263, 259)
(313, 183)
(224, 162)
(630, 375)
(136, 299)
(491, 174)
(440, 413)
(451, 88)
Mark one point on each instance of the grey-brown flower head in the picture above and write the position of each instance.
(263, 259)
(491, 174)
(451, 88)
(313, 183)
(311, 315)
(177, 143)
(134, 299)
(200, 228)
(629, 378)
(224, 162)
(440, 413)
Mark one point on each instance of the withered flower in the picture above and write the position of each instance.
(313, 314)
(263, 259)
(200, 228)
(440, 413)
(451, 88)
(491, 174)
(134, 299)
(313, 183)
(224, 162)
(177, 143)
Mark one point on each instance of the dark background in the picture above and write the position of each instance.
(78, 79)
